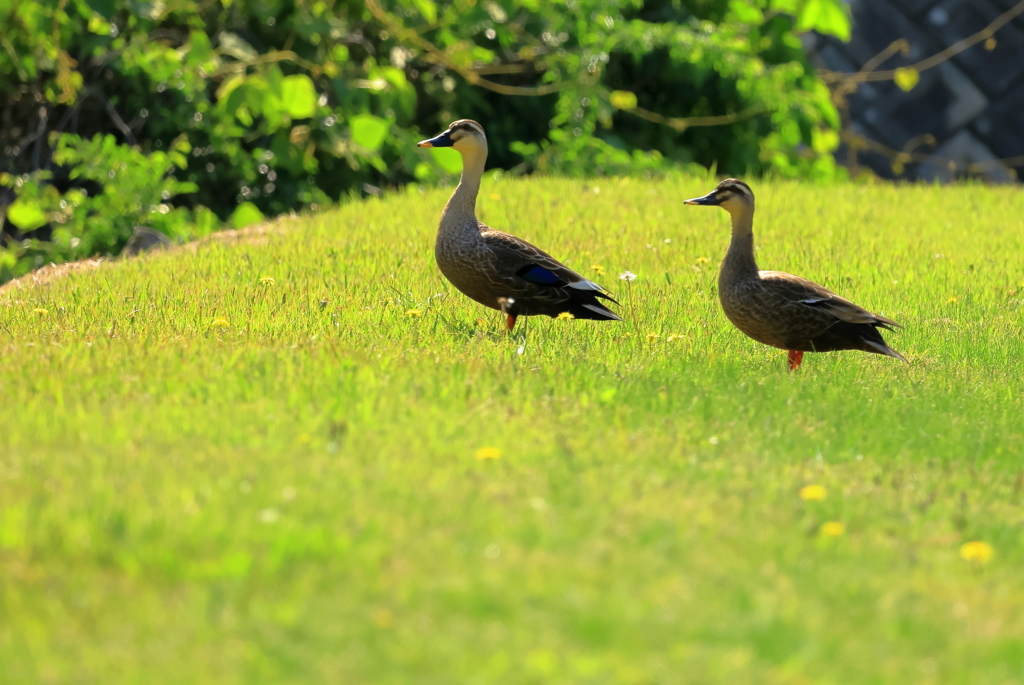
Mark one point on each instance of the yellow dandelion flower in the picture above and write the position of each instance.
(651, 337)
(267, 280)
(414, 313)
(833, 529)
(485, 453)
(40, 311)
(812, 492)
(673, 338)
(703, 260)
(952, 300)
(565, 315)
(598, 269)
(976, 552)
(220, 322)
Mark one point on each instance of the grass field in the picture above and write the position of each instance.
(259, 461)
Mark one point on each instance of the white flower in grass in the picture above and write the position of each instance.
(627, 276)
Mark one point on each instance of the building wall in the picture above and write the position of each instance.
(965, 117)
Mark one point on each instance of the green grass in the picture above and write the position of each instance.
(295, 497)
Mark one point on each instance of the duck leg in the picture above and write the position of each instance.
(795, 357)
(510, 324)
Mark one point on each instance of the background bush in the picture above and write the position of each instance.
(186, 116)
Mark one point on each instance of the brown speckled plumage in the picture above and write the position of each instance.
(494, 268)
(780, 309)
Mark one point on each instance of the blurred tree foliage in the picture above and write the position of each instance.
(186, 116)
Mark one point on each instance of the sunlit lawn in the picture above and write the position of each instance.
(301, 456)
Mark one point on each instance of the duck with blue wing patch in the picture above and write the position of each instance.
(496, 269)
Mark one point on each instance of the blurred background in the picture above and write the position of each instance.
(188, 117)
(946, 100)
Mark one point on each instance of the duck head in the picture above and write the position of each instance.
(465, 135)
(732, 195)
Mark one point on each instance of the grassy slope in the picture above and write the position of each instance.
(295, 497)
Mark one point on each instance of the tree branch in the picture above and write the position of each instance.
(865, 74)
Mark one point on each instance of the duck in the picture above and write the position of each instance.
(495, 268)
(779, 309)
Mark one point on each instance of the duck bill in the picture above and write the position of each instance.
(711, 200)
(443, 140)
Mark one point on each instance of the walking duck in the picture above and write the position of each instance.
(496, 269)
(780, 309)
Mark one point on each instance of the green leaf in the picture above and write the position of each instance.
(784, 6)
(99, 25)
(746, 12)
(181, 144)
(179, 160)
(299, 96)
(428, 9)
(447, 158)
(824, 140)
(274, 79)
(244, 116)
(26, 215)
(825, 16)
(368, 131)
(199, 46)
(906, 78)
(623, 99)
(479, 54)
(395, 77)
(246, 214)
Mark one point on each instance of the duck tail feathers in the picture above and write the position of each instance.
(590, 308)
(602, 313)
(882, 348)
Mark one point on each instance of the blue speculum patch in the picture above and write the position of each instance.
(539, 275)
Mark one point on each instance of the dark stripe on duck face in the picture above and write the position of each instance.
(445, 139)
(726, 190)
(467, 126)
(736, 186)
(538, 275)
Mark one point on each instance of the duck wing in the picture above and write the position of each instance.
(800, 295)
(539, 283)
(807, 316)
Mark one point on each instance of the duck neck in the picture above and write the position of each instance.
(739, 260)
(460, 212)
